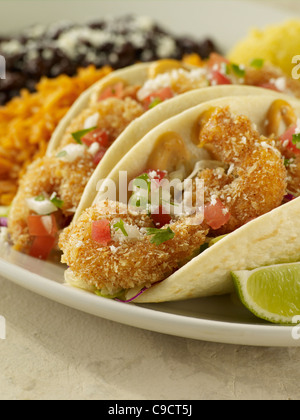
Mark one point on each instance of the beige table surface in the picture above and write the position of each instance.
(54, 352)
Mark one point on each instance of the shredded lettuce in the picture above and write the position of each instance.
(107, 296)
(4, 211)
(79, 134)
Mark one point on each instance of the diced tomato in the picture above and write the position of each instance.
(217, 78)
(99, 156)
(42, 225)
(161, 218)
(269, 86)
(288, 137)
(115, 91)
(216, 215)
(101, 232)
(215, 64)
(161, 95)
(96, 136)
(216, 59)
(156, 174)
(42, 246)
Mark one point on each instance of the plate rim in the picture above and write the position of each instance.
(149, 319)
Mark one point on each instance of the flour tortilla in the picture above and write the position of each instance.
(137, 75)
(151, 119)
(270, 239)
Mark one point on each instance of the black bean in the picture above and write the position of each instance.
(117, 47)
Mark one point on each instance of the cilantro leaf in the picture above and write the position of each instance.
(155, 102)
(57, 202)
(257, 63)
(120, 226)
(159, 236)
(287, 162)
(143, 177)
(239, 71)
(79, 134)
(296, 140)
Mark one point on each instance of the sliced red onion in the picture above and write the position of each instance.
(3, 222)
(289, 197)
(136, 296)
(133, 298)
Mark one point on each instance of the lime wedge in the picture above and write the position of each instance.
(271, 293)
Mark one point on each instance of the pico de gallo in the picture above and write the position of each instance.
(92, 133)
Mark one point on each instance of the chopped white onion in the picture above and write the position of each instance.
(41, 208)
(94, 148)
(48, 223)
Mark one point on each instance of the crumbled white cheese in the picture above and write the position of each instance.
(113, 57)
(279, 83)
(213, 200)
(91, 121)
(144, 23)
(47, 54)
(132, 231)
(94, 148)
(166, 47)
(152, 174)
(73, 152)
(113, 249)
(68, 41)
(167, 79)
(297, 131)
(11, 47)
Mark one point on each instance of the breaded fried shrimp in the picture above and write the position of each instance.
(46, 175)
(256, 179)
(67, 177)
(114, 116)
(125, 263)
(271, 77)
(250, 181)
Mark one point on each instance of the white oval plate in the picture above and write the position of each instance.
(218, 319)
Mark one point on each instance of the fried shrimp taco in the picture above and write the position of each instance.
(101, 127)
(211, 190)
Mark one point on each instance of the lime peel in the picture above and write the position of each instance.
(271, 293)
